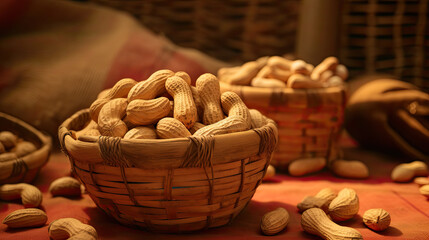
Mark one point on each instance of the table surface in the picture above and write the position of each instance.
(409, 210)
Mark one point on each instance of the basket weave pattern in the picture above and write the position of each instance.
(309, 120)
(205, 187)
(26, 168)
(234, 30)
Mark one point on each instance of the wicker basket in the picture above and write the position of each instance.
(170, 185)
(234, 30)
(386, 37)
(24, 169)
(309, 120)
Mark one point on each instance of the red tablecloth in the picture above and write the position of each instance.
(409, 210)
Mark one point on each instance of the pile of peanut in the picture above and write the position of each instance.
(280, 72)
(13, 147)
(143, 110)
(416, 171)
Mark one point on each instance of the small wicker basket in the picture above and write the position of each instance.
(309, 120)
(24, 169)
(170, 185)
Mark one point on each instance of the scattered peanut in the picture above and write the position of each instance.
(424, 190)
(349, 169)
(377, 219)
(405, 172)
(345, 205)
(110, 118)
(303, 166)
(271, 172)
(209, 95)
(421, 180)
(8, 139)
(28, 217)
(184, 106)
(152, 87)
(65, 186)
(145, 112)
(71, 228)
(171, 128)
(142, 132)
(29, 194)
(275, 221)
(326, 193)
(316, 222)
(321, 200)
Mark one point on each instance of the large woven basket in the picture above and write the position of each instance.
(309, 120)
(24, 169)
(170, 185)
(233, 30)
(386, 37)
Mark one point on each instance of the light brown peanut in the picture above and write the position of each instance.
(2, 148)
(316, 222)
(278, 73)
(141, 132)
(209, 95)
(279, 62)
(152, 87)
(333, 82)
(23, 218)
(301, 67)
(424, 190)
(145, 112)
(8, 139)
(185, 76)
(257, 119)
(329, 63)
(326, 193)
(271, 172)
(71, 228)
(304, 166)
(299, 81)
(234, 106)
(65, 186)
(321, 200)
(196, 127)
(198, 104)
(23, 148)
(119, 90)
(349, 169)
(89, 130)
(171, 128)
(185, 109)
(376, 219)
(342, 72)
(275, 221)
(267, 83)
(405, 172)
(110, 118)
(222, 72)
(30, 195)
(227, 125)
(345, 205)
(245, 73)
(421, 181)
(7, 156)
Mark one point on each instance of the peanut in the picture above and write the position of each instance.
(222, 72)
(150, 88)
(119, 90)
(245, 73)
(278, 73)
(89, 130)
(303, 166)
(2, 148)
(329, 63)
(275, 221)
(110, 118)
(196, 127)
(300, 81)
(279, 62)
(29, 217)
(209, 95)
(301, 67)
(184, 106)
(267, 83)
(198, 103)
(145, 112)
(342, 72)
(142, 132)
(271, 172)
(316, 222)
(234, 106)
(321, 200)
(421, 180)
(227, 125)
(333, 81)
(326, 193)
(185, 76)
(377, 219)
(344, 206)
(29, 194)
(71, 228)
(171, 128)
(424, 190)
(7, 156)
(65, 186)
(326, 75)
(405, 172)
(349, 169)
(23, 148)
(8, 139)
(257, 119)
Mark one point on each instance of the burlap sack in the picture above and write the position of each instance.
(56, 56)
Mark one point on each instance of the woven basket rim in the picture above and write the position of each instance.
(32, 160)
(162, 153)
(285, 90)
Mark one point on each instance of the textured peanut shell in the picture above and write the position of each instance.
(345, 205)
(110, 118)
(227, 125)
(141, 132)
(152, 87)
(65, 186)
(171, 128)
(30, 195)
(184, 106)
(145, 112)
(275, 221)
(377, 219)
(28, 217)
(209, 95)
(71, 228)
(326, 193)
(232, 105)
(257, 119)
